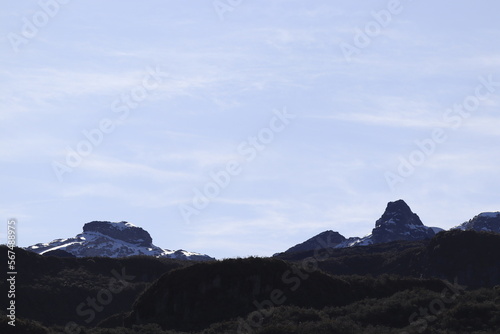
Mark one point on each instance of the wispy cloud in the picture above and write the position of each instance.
(117, 168)
(397, 120)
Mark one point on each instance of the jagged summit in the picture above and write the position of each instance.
(398, 222)
(486, 222)
(110, 239)
(400, 213)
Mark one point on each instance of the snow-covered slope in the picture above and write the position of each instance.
(486, 221)
(110, 239)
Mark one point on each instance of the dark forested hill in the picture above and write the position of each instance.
(56, 290)
(449, 284)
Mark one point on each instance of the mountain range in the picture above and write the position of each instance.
(122, 239)
(397, 223)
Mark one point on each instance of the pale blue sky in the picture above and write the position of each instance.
(220, 81)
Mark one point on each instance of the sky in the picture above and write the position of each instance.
(237, 127)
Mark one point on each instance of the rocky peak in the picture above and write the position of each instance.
(122, 231)
(398, 222)
(398, 213)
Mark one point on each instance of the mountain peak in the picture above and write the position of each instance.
(123, 231)
(398, 222)
(398, 213)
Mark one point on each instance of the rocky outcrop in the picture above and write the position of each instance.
(398, 222)
(121, 231)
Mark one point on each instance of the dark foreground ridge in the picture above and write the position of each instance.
(449, 284)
